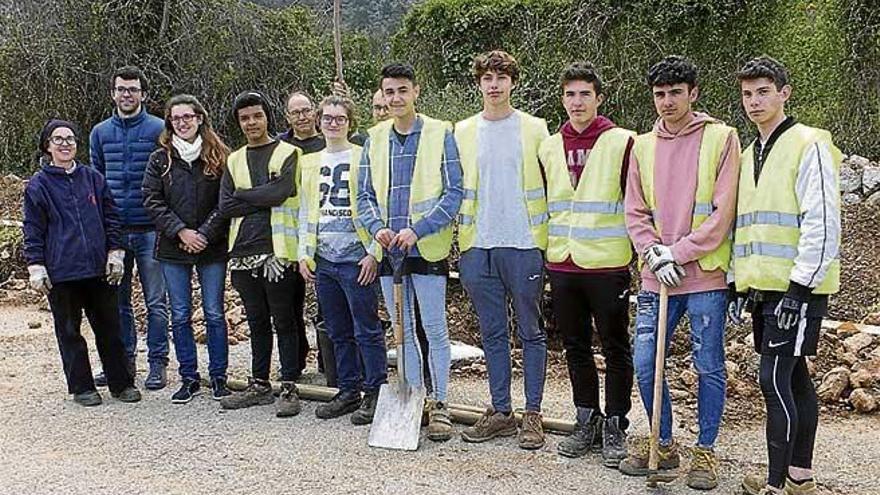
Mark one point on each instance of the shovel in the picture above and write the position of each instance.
(656, 476)
(398, 416)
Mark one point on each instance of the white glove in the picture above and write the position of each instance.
(273, 269)
(657, 255)
(39, 279)
(115, 266)
(670, 274)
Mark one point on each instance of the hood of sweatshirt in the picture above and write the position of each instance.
(599, 125)
(700, 119)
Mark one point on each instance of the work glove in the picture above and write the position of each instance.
(39, 279)
(273, 269)
(792, 308)
(670, 274)
(736, 302)
(657, 255)
(115, 266)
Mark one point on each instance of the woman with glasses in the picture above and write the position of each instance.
(338, 255)
(181, 192)
(73, 248)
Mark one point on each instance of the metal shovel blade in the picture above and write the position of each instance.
(398, 417)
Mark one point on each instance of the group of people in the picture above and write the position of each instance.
(721, 229)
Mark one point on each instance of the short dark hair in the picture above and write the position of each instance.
(764, 66)
(581, 71)
(496, 61)
(130, 73)
(398, 70)
(253, 98)
(673, 69)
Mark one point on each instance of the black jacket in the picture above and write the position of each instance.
(184, 197)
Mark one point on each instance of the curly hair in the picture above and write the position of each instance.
(766, 67)
(497, 61)
(673, 69)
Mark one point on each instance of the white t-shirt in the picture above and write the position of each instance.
(337, 239)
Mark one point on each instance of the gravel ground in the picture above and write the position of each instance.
(51, 445)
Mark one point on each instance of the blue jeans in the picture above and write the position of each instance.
(430, 291)
(351, 317)
(139, 248)
(707, 314)
(212, 277)
(490, 276)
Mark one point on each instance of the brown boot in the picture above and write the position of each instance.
(805, 487)
(490, 425)
(439, 423)
(753, 483)
(531, 436)
(636, 462)
(703, 473)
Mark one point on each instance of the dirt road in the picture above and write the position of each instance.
(50, 445)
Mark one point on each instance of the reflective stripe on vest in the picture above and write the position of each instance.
(283, 218)
(587, 223)
(769, 214)
(427, 180)
(532, 131)
(311, 200)
(714, 138)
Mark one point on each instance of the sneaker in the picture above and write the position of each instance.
(128, 394)
(189, 388)
(288, 401)
(531, 435)
(803, 487)
(636, 462)
(257, 393)
(703, 473)
(341, 404)
(754, 484)
(364, 414)
(88, 398)
(613, 442)
(101, 379)
(439, 422)
(156, 378)
(587, 434)
(490, 425)
(219, 389)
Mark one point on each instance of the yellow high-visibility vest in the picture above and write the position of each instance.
(587, 223)
(427, 180)
(283, 218)
(533, 131)
(769, 215)
(715, 136)
(310, 201)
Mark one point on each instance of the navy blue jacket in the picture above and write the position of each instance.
(70, 223)
(120, 149)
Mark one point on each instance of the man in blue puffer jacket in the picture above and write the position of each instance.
(120, 148)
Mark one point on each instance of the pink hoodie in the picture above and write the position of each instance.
(675, 184)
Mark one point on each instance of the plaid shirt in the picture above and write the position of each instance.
(403, 160)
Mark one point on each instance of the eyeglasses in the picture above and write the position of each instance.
(132, 90)
(337, 119)
(187, 117)
(299, 113)
(63, 140)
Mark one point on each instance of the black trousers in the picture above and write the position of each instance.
(95, 297)
(792, 414)
(579, 300)
(267, 305)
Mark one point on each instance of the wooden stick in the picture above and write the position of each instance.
(460, 413)
(659, 368)
(337, 38)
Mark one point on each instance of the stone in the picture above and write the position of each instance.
(873, 200)
(851, 198)
(688, 378)
(34, 324)
(833, 384)
(857, 342)
(847, 329)
(870, 367)
(862, 400)
(811, 366)
(850, 179)
(679, 394)
(873, 318)
(731, 368)
(845, 357)
(870, 178)
(862, 379)
(857, 161)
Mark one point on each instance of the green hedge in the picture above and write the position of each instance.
(827, 45)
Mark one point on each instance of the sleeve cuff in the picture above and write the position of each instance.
(421, 229)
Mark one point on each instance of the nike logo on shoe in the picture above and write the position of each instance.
(772, 344)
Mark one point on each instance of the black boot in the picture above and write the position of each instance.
(587, 434)
(341, 404)
(613, 442)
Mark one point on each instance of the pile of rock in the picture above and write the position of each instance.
(860, 181)
(854, 381)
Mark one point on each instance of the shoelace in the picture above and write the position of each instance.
(703, 460)
(532, 422)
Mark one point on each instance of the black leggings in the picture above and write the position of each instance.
(792, 414)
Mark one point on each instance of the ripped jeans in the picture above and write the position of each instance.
(707, 314)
